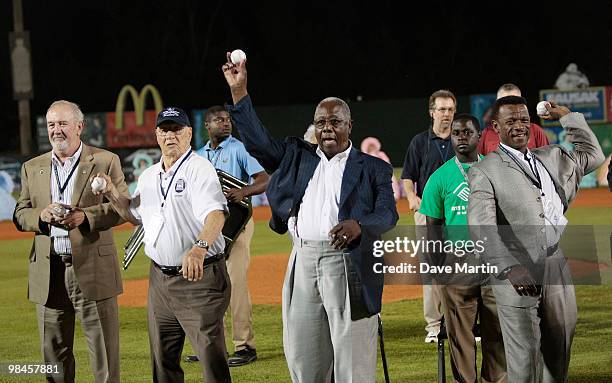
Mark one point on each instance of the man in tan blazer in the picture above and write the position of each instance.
(517, 206)
(73, 263)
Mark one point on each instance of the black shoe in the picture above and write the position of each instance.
(242, 357)
(192, 358)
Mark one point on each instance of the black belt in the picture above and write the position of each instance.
(174, 271)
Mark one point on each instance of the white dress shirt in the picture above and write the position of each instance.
(318, 213)
(194, 192)
(61, 241)
(551, 202)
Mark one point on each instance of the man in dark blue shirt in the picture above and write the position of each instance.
(428, 151)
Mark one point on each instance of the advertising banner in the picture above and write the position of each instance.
(589, 101)
(137, 128)
(94, 132)
(480, 107)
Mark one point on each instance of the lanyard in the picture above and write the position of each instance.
(59, 184)
(216, 156)
(443, 156)
(165, 194)
(463, 173)
(537, 182)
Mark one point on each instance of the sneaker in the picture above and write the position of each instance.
(432, 337)
(242, 357)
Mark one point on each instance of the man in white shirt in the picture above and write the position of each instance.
(324, 194)
(181, 206)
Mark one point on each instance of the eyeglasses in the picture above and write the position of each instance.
(166, 133)
(444, 110)
(334, 122)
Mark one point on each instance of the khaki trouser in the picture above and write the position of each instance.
(240, 302)
(432, 300)
(99, 321)
(462, 304)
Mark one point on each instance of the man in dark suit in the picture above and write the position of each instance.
(73, 264)
(324, 195)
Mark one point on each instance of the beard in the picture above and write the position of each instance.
(59, 145)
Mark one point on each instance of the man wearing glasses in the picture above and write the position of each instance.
(428, 151)
(323, 194)
(228, 154)
(181, 205)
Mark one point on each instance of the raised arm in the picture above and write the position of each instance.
(587, 151)
(256, 138)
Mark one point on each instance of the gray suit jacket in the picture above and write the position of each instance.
(502, 194)
(93, 248)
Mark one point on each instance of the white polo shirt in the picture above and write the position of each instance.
(194, 192)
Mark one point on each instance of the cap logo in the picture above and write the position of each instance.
(170, 112)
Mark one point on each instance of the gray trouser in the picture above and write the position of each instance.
(538, 334)
(177, 307)
(318, 334)
(99, 321)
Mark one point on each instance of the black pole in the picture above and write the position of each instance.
(382, 349)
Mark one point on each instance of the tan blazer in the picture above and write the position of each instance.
(93, 250)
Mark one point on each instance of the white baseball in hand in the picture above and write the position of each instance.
(237, 56)
(541, 108)
(98, 184)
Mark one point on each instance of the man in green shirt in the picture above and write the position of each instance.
(444, 203)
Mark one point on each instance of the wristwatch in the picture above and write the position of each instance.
(201, 243)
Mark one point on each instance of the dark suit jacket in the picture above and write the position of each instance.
(94, 256)
(365, 196)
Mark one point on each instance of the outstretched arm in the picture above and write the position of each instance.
(256, 138)
(121, 202)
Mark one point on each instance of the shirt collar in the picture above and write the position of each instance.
(340, 156)
(175, 165)
(223, 143)
(434, 136)
(70, 160)
(517, 153)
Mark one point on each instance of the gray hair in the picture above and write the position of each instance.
(76, 110)
(339, 101)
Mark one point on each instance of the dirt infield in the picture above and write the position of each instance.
(599, 197)
(267, 271)
(266, 274)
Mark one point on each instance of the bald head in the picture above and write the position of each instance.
(508, 90)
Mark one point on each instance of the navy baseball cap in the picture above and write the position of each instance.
(173, 114)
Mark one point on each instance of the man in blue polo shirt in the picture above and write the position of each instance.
(228, 154)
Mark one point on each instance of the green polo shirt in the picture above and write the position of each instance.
(446, 197)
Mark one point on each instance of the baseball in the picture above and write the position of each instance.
(238, 56)
(541, 108)
(98, 184)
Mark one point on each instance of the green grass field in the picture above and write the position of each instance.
(410, 360)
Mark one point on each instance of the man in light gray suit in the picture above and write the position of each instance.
(517, 205)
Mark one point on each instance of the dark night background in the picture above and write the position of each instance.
(298, 52)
